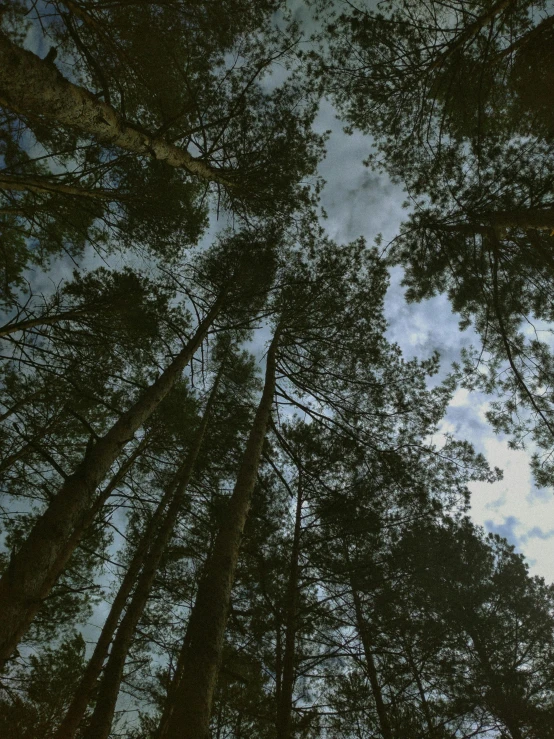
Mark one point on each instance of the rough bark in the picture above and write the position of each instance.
(101, 720)
(192, 697)
(35, 567)
(32, 86)
(284, 704)
(541, 219)
(363, 631)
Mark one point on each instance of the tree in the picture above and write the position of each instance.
(505, 617)
(439, 97)
(193, 693)
(34, 568)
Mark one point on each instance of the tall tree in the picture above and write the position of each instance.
(38, 562)
(193, 694)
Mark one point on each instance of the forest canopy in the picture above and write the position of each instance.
(230, 506)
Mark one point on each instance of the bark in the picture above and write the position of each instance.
(31, 86)
(35, 567)
(41, 186)
(541, 219)
(284, 704)
(278, 662)
(365, 636)
(101, 499)
(101, 721)
(192, 696)
(15, 212)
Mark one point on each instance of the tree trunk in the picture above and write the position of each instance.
(101, 721)
(31, 86)
(78, 706)
(363, 631)
(532, 35)
(541, 219)
(284, 704)
(535, 219)
(41, 185)
(69, 315)
(278, 663)
(35, 567)
(189, 716)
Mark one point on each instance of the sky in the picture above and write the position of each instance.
(360, 202)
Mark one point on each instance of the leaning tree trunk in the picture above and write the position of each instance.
(102, 717)
(68, 315)
(372, 674)
(541, 219)
(284, 703)
(498, 221)
(34, 87)
(35, 567)
(192, 697)
(78, 706)
(44, 186)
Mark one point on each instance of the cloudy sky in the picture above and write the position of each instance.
(360, 202)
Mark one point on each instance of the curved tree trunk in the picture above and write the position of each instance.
(284, 703)
(189, 715)
(533, 35)
(35, 567)
(541, 219)
(101, 721)
(31, 86)
(529, 219)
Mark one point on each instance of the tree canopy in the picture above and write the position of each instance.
(229, 505)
